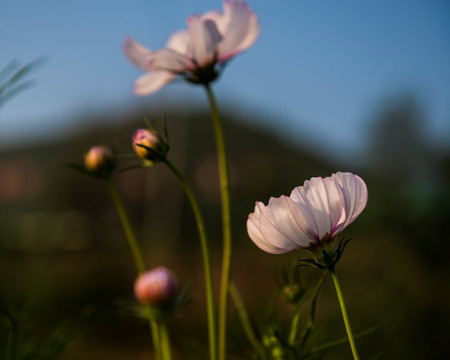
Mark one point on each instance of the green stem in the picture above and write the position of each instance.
(156, 339)
(294, 325)
(136, 252)
(226, 222)
(129, 233)
(245, 320)
(344, 314)
(312, 315)
(165, 342)
(206, 258)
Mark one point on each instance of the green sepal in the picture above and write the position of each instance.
(159, 154)
(204, 75)
(165, 312)
(105, 172)
(327, 259)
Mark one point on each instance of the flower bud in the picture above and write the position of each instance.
(99, 160)
(148, 145)
(156, 288)
(292, 293)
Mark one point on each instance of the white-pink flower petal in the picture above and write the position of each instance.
(355, 193)
(315, 212)
(204, 38)
(253, 228)
(181, 43)
(139, 55)
(239, 26)
(152, 82)
(273, 233)
(324, 200)
(305, 222)
(170, 60)
(285, 216)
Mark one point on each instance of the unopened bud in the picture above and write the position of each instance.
(292, 293)
(156, 288)
(148, 146)
(99, 160)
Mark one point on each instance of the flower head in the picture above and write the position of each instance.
(198, 53)
(157, 288)
(149, 146)
(99, 161)
(311, 217)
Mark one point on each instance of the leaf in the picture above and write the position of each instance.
(344, 340)
(11, 86)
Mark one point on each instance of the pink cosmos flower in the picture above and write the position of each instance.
(198, 53)
(311, 217)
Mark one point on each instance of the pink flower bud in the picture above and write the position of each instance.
(156, 288)
(143, 141)
(99, 159)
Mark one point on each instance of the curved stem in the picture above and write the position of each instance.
(129, 233)
(136, 252)
(206, 258)
(344, 314)
(226, 222)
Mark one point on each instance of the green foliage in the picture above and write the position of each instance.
(280, 338)
(293, 335)
(33, 332)
(12, 79)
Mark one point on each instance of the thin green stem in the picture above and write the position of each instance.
(226, 222)
(156, 339)
(344, 314)
(165, 342)
(206, 258)
(129, 233)
(245, 320)
(312, 315)
(294, 324)
(137, 254)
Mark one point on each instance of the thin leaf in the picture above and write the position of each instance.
(8, 68)
(12, 86)
(245, 320)
(344, 340)
(9, 93)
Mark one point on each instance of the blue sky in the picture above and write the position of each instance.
(319, 69)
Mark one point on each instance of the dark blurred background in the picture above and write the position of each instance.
(63, 253)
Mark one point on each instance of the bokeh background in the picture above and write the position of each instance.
(361, 87)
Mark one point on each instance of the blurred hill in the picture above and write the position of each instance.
(38, 180)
